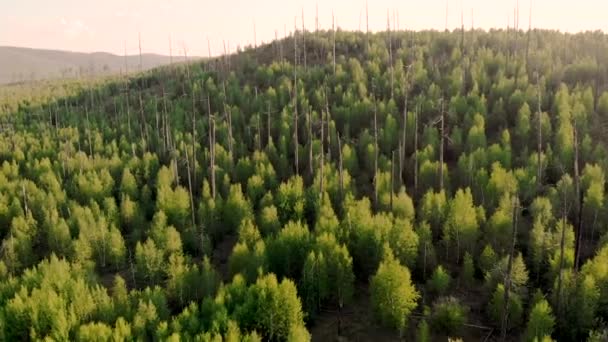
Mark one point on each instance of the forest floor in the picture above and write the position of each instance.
(358, 323)
(221, 254)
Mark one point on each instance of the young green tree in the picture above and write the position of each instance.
(393, 295)
(461, 229)
(439, 281)
(448, 316)
(540, 321)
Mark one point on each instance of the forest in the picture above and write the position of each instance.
(329, 185)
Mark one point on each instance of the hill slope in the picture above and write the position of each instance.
(26, 64)
(390, 193)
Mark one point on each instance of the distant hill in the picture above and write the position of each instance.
(25, 64)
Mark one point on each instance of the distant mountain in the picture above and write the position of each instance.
(19, 64)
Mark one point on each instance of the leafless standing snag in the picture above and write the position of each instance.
(127, 93)
(441, 146)
(170, 51)
(416, 152)
(86, 111)
(375, 153)
(333, 30)
(225, 60)
(190, 190)
(228, 113)
(340, 169)
(367, 26)
(255, 37)
(259, 140)
(392, 177)
(303, 39)
(322, 158)
(268, 125)
(404, 128)
(390, 52)
(528, 36)
(295, 96)
(211, 146)
(277, 44)
(165, 121)
(327, 122)
(209, 54)
(310, 141)
(191, 171)
(539, 174)
(143, 127)
(157, 121)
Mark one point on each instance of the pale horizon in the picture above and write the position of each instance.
(106, 26)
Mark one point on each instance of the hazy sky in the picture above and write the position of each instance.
(104, 25)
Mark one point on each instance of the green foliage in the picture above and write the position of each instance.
(423, 334)
(518, 275)
(273, 308)
(496, 308)
(393, 295)
(287, 252)
(144, 192)
(461, 228)
(440, 281)
(540, 321)
(448, 315)
(467, 274)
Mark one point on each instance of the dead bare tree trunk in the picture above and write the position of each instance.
(165, 123)
(528, 37)
(228, 113)
(333, 30)
(259, 140)
(127, 92)
(340, 169)
(139, 43)
(416, 152)
(208, 50)
(390, 52)
(310, 140)
(211, 147)
(157, 120)
(268, 124)
(295, 99)
(191, 172)
(170, 51)
(328, 121)
(441, 147)
(255, 37)
(539, 175)
(143, 127)
(404, 128)
(505, 309)
(375, 154)
(88, 131)
(304, 39)
(392, 177)
(225, 60)
(367, 26)
(322, 158)
(190, 190)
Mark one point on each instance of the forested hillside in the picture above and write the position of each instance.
(26, 65)
(329, 185)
